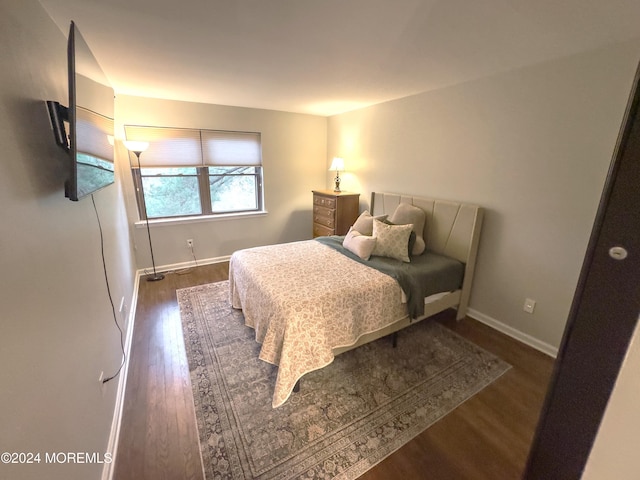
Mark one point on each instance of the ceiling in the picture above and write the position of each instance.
(326, 57)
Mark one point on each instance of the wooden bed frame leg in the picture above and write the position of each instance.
(296, 387)
(394, 339)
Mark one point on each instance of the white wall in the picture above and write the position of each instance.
(532, 146)
(57, 332)
(293, 153)
(615, 450)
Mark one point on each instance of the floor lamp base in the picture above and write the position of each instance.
(154, 277)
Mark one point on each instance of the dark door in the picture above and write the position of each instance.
(601, 321)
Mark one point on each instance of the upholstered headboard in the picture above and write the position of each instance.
(451, 228)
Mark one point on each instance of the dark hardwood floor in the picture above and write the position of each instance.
(487, 437)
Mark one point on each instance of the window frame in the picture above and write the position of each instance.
(257, 176)
(203, 174)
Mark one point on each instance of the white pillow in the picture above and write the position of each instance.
(392, 240)
(405, 214)
(364, 223)
(361, 245)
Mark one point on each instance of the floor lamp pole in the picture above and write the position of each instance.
(156, 276)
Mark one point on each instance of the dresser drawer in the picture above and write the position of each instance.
(326, 220)
(321, 230)
(323, 212)
(324, 216)
(327, 202)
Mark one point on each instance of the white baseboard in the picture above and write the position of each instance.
(513, 333)
(182, 265)
(114, 435)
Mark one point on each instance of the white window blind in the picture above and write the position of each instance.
(231, 148)
(92, 134)
(183, 147)
(168, 147)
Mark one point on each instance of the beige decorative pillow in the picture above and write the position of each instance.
(405, 214)
(364, 223)
(361, 245)
(391, 240)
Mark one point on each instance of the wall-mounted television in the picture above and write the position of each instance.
(85, 128)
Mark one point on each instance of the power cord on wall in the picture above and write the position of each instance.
(113, 308)
(193, 255)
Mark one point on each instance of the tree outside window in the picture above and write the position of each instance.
(186, 173)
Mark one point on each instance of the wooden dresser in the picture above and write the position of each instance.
(334, 212)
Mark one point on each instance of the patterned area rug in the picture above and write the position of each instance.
(347, 416)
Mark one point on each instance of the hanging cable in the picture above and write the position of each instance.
(193, 254)
(113, 308)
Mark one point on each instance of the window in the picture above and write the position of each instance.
(186, 172)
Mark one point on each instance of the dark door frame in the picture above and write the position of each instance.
(601, 322)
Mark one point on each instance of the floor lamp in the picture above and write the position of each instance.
(137, 148)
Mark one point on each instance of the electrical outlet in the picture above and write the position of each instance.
(529, 305)
(190, 243)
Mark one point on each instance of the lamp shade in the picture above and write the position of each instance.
(337, 165)
(135, 146)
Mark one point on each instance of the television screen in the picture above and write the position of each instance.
(89, 120)
(94, 152)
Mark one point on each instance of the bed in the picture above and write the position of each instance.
(311, 300)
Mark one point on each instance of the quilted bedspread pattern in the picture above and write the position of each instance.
(303, 299)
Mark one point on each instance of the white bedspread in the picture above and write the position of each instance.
(303, 299)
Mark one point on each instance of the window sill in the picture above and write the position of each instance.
(198, 219)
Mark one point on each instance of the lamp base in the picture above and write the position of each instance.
(337, 187)
(154, 277)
